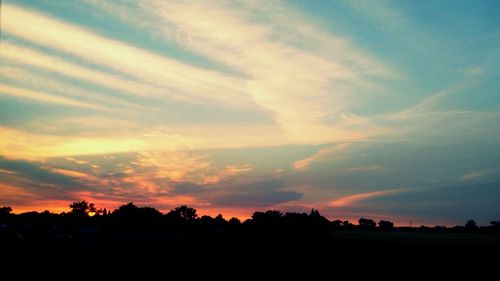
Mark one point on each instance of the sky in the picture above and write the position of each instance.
(377, 109)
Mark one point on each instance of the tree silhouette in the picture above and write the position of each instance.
(82, 208)
(186, 212)
(471, 225)
(336, 224)
(183, 215)
(314, 213)
(132, 215)
(266, 218)
(5, 211)
(367, 223)
(234, 221)
(219, 220)
(132, 212)
(316, 218)
(130, 223)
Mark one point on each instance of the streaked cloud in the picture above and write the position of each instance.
(321, 155)
(45, 97)
(20, 144)
(374, 168)
(26, 56)
(69, 173)
(355, 198)
(471, 176)
(121, 57)
(62, 92)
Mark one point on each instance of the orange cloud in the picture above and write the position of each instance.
(22, 200)
(226, 172)
(81, 162)
(69, 173)
(88, 178)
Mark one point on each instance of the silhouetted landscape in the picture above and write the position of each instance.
(182, 233)
(276, 120)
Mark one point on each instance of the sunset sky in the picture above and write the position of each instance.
(378, 109)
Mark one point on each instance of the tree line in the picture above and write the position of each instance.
(85, 219)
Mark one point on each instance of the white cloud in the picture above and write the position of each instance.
(65, 90)
(148, 67)
(299, 87)
(26, 56)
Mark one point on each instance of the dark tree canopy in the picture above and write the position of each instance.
(234, 221)
(5, 211)
(183, 212)
(495, 223)
(471, 224)
(386, 225)
(266, 218)
(367, 223)
(82, 208)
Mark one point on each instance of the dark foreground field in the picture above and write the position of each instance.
(273, 252)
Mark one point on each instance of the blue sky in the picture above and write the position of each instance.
(380, 109)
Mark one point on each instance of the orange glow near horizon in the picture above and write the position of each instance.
(60, 206)
(51, 206)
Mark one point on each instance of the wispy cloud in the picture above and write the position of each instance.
(478, 175)
(63, 90)
(428, 106)
(373, 168)
(304, 107)
(69, 173)
(45, 97)
(19, 144)
(474, 70)
(353, 199)
(320, 155)
(182, 79)
(274, 68)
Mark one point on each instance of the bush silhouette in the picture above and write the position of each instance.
(385, 225)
